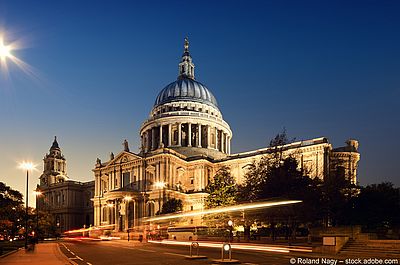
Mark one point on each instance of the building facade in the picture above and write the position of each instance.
(67, 200)
(184, 142)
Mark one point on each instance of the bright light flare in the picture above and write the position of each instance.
(128, 198)
(235, 208)
(7, 54)
(5, 51)
(25, 165)
(159, 184)
(37, 193)
(241, 246)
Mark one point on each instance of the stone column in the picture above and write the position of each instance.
(199, 135)
(216, 138)
(222, 141)
(116, 217)
(179, 134)
(208, 136)
(229, 145)
(226, 143)
(189, 134)
(169, 134)
(127, 211)
(161, 138)
(153, 138)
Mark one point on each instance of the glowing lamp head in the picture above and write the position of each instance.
(227, 247)
(27, 166)
(127, 198)
(230, 223)
(159, 184)
(37, 193)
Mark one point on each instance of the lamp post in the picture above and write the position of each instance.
(37, 193)
(127, 200)
(230, 225)
(28, 166)
(160, 185)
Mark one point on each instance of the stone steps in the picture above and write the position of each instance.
(365, 249)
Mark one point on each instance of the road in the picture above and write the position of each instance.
(85, 252)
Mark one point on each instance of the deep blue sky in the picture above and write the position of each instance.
(318, 68)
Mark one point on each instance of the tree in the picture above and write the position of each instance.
(171, 206)
(11, 210)
(338, 194)
(277, 143)
(271, 178)
(378, 207)
(222, 189)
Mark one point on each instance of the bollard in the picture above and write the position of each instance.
(226, 247)
(194, 247)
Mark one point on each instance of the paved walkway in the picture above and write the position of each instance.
(44, 254)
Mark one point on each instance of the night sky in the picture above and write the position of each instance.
(318, 68)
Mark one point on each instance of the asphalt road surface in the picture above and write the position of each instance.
(84, 252)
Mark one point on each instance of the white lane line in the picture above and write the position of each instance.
(175, 254)
(79, 258)
(72, 253)
(88, 263)
(146, 250)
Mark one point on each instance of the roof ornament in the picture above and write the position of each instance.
(186, 45)
(55, 144)
(186, 66)
(126, 146)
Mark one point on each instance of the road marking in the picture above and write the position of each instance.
(72, 252)
(88, 263)
(175, 254)
(79, 258)
(146, 250)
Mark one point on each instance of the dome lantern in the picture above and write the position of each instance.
(186, 66)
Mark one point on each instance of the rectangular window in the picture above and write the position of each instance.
(127, 178)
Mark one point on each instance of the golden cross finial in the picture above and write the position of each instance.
(186, 44)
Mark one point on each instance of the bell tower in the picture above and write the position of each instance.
(55, 166)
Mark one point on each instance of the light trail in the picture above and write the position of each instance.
(280, 249)
(240, 207)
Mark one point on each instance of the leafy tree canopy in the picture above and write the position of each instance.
(171, 206)
(222, 189)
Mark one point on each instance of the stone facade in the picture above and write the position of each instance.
(69, 201)
(184, 142)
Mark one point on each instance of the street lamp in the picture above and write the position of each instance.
(160, 185)
(37, 193)
(28, 166)
(127, 199)
(230, 224)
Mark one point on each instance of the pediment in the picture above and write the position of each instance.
(123, 157)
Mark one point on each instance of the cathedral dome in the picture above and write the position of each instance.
(186, 89)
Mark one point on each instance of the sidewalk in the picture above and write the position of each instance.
(44, 253)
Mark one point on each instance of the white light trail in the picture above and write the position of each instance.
(240, 207)
(280, 249)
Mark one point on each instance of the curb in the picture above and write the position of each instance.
(63, 256)
(9, 253)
